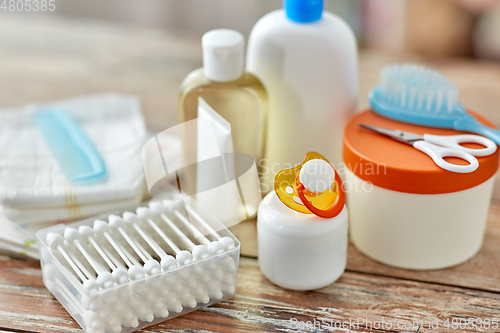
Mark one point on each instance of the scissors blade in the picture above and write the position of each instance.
(404, 137)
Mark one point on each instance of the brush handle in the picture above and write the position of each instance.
(470, 124)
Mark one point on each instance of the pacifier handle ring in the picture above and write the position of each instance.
(330, 212)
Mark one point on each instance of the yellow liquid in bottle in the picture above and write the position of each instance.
(242, 102)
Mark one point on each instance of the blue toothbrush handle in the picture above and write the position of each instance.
(470, 124)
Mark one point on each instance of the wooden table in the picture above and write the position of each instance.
(42, 59)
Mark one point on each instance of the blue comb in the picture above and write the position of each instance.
(418, 95)
(76, 154)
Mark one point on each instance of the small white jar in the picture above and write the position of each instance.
(300, 251)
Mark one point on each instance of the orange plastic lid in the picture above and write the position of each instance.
(399, 167)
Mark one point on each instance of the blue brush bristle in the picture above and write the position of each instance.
(416, 94)
(419, 89)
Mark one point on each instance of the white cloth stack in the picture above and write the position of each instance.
(33, 189)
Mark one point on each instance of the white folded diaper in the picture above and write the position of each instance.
(32, 186)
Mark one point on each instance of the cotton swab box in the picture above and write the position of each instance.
(126, 271)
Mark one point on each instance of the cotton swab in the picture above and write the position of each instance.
(55, 242)
(151, 266)
(119, 273)
(104, 278)
(90, 286)
(199, 251)
(182, 257)
(213, 287)
(226, 241)
(168, 262)
(91, 318)
(197, 290)
(135, 271)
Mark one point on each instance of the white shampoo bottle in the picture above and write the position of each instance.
(307, 60)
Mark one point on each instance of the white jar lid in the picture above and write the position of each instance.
(223, 55)
(280, 220)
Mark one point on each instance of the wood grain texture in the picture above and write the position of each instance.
(260, 306)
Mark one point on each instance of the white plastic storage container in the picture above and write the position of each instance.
(405, 211)
(300, 251)
(144, 289)
(307, 60)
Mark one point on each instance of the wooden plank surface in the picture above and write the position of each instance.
(260, 306)
(42, 59)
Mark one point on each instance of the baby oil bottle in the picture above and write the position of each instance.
(239, 97)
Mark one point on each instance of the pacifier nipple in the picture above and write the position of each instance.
(317, 176)
(312, 187)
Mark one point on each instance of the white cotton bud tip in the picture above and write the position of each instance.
(100, 226)
(120, 275)
(71, 235)
(115, 221)
(184, 258)
(215, 247)
(227, 242)
(91, 287)
(177, 307)
(86, 231)
(200, 252)
(54, 240)
(143, 213)
(105, 280)
(168, 262)
(169, 205)
(135, 272)
(152, 267)
(130, 218)
(132, 323)
(157, 207)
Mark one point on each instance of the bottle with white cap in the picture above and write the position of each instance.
(239, 97)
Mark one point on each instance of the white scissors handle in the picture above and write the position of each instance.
(438, 154)
(454, 141)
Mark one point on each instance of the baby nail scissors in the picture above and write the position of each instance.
(440, 146)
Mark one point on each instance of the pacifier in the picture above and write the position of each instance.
(313, 187)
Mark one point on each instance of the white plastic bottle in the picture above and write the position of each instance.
(307, 60)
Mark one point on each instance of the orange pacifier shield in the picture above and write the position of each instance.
(312, 187)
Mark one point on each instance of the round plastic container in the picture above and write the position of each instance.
(300, 251)
(405, 211)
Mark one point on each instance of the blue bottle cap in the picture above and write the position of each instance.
(303, 11)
